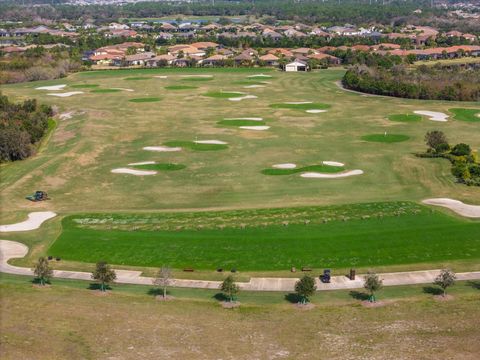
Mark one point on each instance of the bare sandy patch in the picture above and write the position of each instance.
(443, 298)
(382, 303)
(161, 76)
(255, 128)
(200, 76)
(344, 174)
(66, 115)
(123, 89)
(333, 163)
(51, 87)
(307, 306)
(230, 304)
(471, 211)
(315, 111)
(34, 221)
(142, 163)
(297, 102)
(254, 86)
(214, 142)
(162, 148)
(240, 98)
(433, 115)
(245, 118)
(66, 94)
(285, 166)
(133, 172)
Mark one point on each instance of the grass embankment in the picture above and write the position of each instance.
(470, 115)
(365, 235)
(313, 168)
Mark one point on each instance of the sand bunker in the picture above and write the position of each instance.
(52, 87)
(213, 142)
(162, 148)
(242, 98)
(433, 115)
(315, 111)
(259, 76)
(333, 163)
(161, 76)
(471, 211)
(35, 219)
(254, 86)
(256, 128)
(285, 166)
(122, 89)
(133, 172)
(331, 176)
(67, 94)
(142, 163)
(245, 118)
(298, 102)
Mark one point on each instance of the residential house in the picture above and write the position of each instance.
(297, 65)
(269, 60)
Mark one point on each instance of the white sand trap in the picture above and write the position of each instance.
(433, 115)
(142, 163)
(161, 76)
(285, 166)
(242, 98)
(254, 86)
(67, 94)
(162, 148)
(333, 163)
(66, 115)
(255, 128)
(471, 211)
(214, 142)
(122, 89)
(133, 171)
(200, 76)
(51, 87)
(331, 176)
(315, 111)
(297, 102)
(35, 220)
(245, 118)
(259, 76)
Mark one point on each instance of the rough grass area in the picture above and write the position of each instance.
(223, 94)
(470, 115)
(405, 117)
(180, 87)
(388, 138)
(308, 106)
(84, 86)
(240, 122)
(102, 91)
(251, 81)
(386, 234)
(314, 168)
(143, 100)
(198, 78)
(194, 146)
(161, 167)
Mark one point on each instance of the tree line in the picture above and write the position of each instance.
(21, 127)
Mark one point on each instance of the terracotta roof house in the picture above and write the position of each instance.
(138, 59)
(269, 59)
(331, 59)
(160, 59)
(281, 51)
(214, 60)
(292, 33)
(204, 45)
(303, 51)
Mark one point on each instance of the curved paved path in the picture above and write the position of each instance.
(12, 249)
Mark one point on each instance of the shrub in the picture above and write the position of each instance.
(461, 150)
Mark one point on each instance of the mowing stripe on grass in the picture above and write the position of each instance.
(385, 138)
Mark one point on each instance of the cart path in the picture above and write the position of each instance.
(12, 249)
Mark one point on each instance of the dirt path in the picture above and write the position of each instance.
(12, 249)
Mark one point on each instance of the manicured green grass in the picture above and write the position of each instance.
(142, 100)
(315, 168)
(198, 78)
(388, 138)
(180, 87)
(471, 115)
(161, 167)
(102, 91)
(241, 122)
(135, 78)
(194, 146)
(412, 234)
(84, 86)
(405, 117)
(308, 106)
(223, 94)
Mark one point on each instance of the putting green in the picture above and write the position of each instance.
(405, 117)
(311, 168)
(223, 94)
(470, 115)
(161, 167)
(241, 122)
(196, 146)
(388, 138)
(102, 91)
(180, 87)
(142, 100)
(300, 106)
(84, 86)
